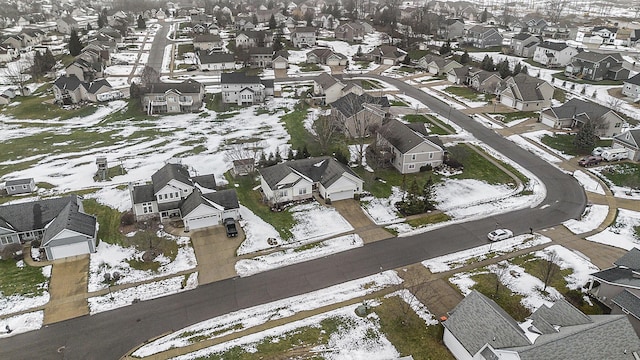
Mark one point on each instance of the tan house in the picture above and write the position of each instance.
(526, 93)
(410, 146)
(207, 42)
(575, 112)
(484, 81)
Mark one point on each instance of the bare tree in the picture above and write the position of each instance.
(18, 74)
(149, 75)
(242, 151)
(548, 268)
(359, 118)
(555, 8)
(325, 128)
(502, 277)
(614, 103)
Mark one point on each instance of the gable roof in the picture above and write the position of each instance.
(528, 87)
(325, 80)
(630, 260)
(577, 107)
(402, 137)
(478, 320)
(522, 36)
(167, 173)
(215, 57)
(629, 302)
(72, 219)
(185, 87)
(596, 57)
(634, 140)
(14, 182)
(555, 46)
(238, 78)
(261, 50)
(635, 79)
(228, 199)
(351, 103)
(206, 181)
(67, 82)
(325, 170)
(143, 193)
(206, 38)
(33, 215)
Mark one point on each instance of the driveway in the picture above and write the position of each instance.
(68, 289)
(216, 253)
(362, 224)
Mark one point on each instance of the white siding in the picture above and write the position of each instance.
(455, 346)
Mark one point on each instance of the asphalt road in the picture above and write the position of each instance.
(160, 41)
(109, 335)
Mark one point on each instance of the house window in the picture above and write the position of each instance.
(430, 155)
(177, 195)
(282, 193)
(617, 125)
(147, 208)
(24, 187)
(171, 195)
(412, 166)
(12, 187)
(413, 156)
(302, 191)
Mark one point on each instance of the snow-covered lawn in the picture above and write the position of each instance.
(593, 216)
(622, 233)
(113, 258)
(21, 323)
(618, 191)
(588, 183)
(382, 210)
(311, 223)
(16, 303)
(520, 141)
(464, 100)
(119, 70)
(251, 317)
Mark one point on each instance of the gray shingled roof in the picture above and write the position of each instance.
(143, 193)
(185, 87)
(18, 182)
(596, 57)
(238, 78)
(528, 87)
(478, 320)
(167, 173)
(324, 169)
(228, 199)
(619, 276)
(576, 107)
(72, 219)
(629, 302)
(561, 313)
(68, 82)
(263, 50)
(206, 38)
(216, 58)
(206, 181)
(351, 103)
(325, 80)
(522, 36)
(96, 85)
(630, 260)
(556, 46)
(401, 136)
(33, 215)
(635, 137)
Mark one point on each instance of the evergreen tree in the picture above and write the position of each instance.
(263, 160)
(271, 160)
(503, 68)
(427, 195)
(290, 154)
(75, 46)
(445, 48)
(483, 17)
(464, 58)
(101, 22)
(517, 69)
(278, 157)
(487, 63)
(272, 22)
(89, 28)
(406, 60)
(586, 137)
(359, 51)
(134, 91)
(141, 24)
(305, 152)
(277, 42)
(254, 19)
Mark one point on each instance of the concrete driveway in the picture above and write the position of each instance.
(68, 289)
(216, 253)
(362, 224)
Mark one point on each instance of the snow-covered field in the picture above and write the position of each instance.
(593, 216)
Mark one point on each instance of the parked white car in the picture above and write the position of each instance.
(500, 234)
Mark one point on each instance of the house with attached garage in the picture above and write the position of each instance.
(487, 82)
(482, 37)
(251, 39)
(575, 112)
(524, 44)
(20, 186)
(327, 89)
(629, 140)
(409, 145)
(240, 89)
(594, 66)
(71, 90)
(386, 55)
(526, 93)
(60, 224)
(554, 54)
(326, 56)
(451, 29)
(280, 59)
(359, 115)
(66, 24)
(303, 37)
(160, 98)
(437, 65)
(631, 87)
(478, 328)
(260, 57)
(207, 42)
(174, 194)
(216, 61)
(299, 179)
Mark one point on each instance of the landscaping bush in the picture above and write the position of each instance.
(453, 163)
(427, 167)
(128, 219)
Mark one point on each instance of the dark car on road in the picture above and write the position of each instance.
(590, 161)
(230, 227)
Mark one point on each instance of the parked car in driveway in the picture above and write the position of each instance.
(590, 161)
(230, 227)
(500, 234)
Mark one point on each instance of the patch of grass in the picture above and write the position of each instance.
(561, 76)
(370, 84)
(185, 48)
(465, 92)
(304, 67)
(25, 281)
(429, 219)
(478, 167)
(109, 220)
(436, 126)
(282, 221)
(408, 333)
(44, 185)
(42, 108)
(215, 103)
(560, 95)
(397, 103)
(407, 69)
(512, 116)
(308, 247)
(227, 115)
(294, 123)
(133, 111)
(475, 49)
(507, 300)
(112, 172)
(380, 182)
(564, 143)
(624, 174)
(417, 54)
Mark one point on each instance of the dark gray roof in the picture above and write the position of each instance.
(33, 215)
(595, 57)
(325, 80)
(143, 193)
(306, 29)
(556, 46)
(70, 218)
(167, 173)
(261, 50)
(629, 302)
(478, 320)
(216, 57)
(96, 85)
(206, 38)
(561, 313)
(635, 79)
(522, 36)
(630, 260)
(401, 136)
(578, 107)
(633, 142)
(185, 87)
(351, 103)
(206, 181)
(618, 276)
(18, 182)
(68, 82)
(228, 199)
(528, 87)
(238, 78)
(169, 205)
(324, 169)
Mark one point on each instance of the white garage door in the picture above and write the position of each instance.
(507, 101)
(348, 194)
(388, 62)
(63, 251)
(548, 121)
(202, 222)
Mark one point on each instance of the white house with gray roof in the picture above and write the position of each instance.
(174, 194)
(410, 146)
(526, 93)
(298, 179)
(216, 61)
(575, 112)
(554, 54)
(482, 36)
(240, 89)
(60, 224)
(478, 328)
(160, 97)
(631, 87)
(20, 186)
(357, 115)
(629, 140)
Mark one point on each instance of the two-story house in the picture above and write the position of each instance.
(487, 82)
(69, 89)
(386, 55)
(629, 140)
(631, 87)
(326, 56)
(260, 57)
(482, 37)
(303, 37)
(607, 33)
(410, 146)
(216, 61)
(66, 24)
(249, 39)
(594, 66)
(554, 54)
(207, 42)
(238, 88)
(358, 115)
(451, 29)
(160, 98)
(526, 93)
(575, 112)
(350, 31)
(524, 44)
(327, 89)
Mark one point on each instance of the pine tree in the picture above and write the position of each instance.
(359, 52)
(445, 48)
(487, 63)
(263, 160)
(427, 195)
(290, 154)
(484, 16)
(586, 137)
(272, 22)
(278, 157)
(75, 46)
(517, 69)
(464, 58)
(141, 24)
(503, 68)
(525, 70)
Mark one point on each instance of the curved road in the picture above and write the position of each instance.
(111, 334)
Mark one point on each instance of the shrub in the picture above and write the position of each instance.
(427, 167)
(127, 219)
(453, 163)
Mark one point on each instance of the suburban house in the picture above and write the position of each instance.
(487, 82)
(7, 54)
(20, 186)
(60, 224)
(186, 96)
(238, 88)
(350, 31)
(437, 65)
(526, 93)
(85, 70)
(327, 89)
(216, 61)
(359, 115)
(451, 29)
(459, 76)
(299, 179)
(69, 90)
(260, 57)
(482, 37)
(243, 167)
(66, 24)
(410, 146)
(303, 37)
(280, 59)
(174, 193)
(478, 328)
(386, 55)
(629, 140)
(524, 44)
(575, 112)
(607, 33)
(207, 42)
(554, 54)
(631, 87)
(536, 25)
(326, 56)
(618, 287)
(589, 65)
(251, 39)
